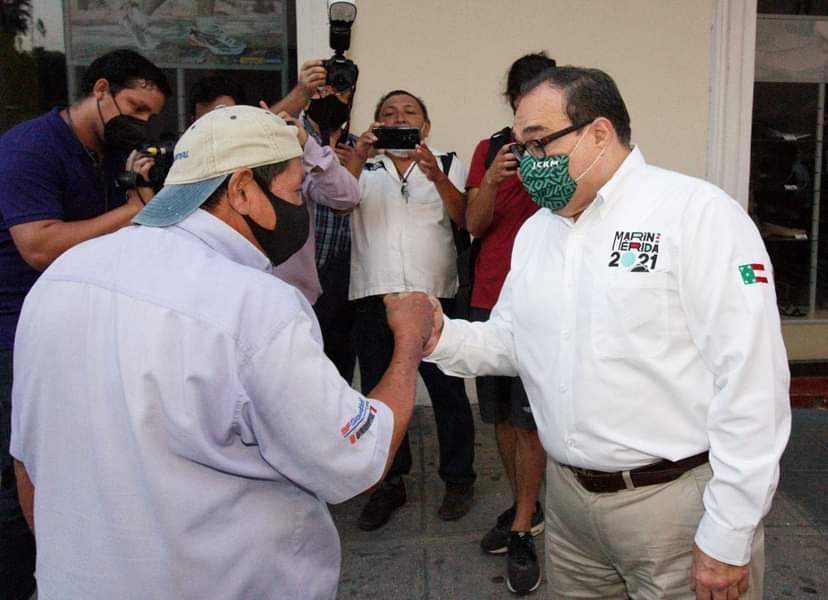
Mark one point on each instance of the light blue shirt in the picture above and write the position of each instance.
(181, 424)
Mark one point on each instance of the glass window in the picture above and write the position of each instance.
(45, 46)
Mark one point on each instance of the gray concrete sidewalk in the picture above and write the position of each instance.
(417, 556)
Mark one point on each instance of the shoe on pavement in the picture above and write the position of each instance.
(139, 33)
(522, 571)
(457, 501)
(496, 541)
(388, 497)
(216, 40)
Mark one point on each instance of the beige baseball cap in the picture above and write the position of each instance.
(224, 140)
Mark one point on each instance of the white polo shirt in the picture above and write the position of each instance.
(402, 242)
(181, 425)
(647, 329)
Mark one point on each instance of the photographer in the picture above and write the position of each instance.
(58, 189)
(402, 241)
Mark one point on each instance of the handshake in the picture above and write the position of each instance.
(415, 318)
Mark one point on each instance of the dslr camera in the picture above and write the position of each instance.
(163, 154)
(342, 72)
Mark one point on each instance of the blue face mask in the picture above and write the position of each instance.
(548, 180)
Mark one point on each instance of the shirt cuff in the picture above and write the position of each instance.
(316, 158)
(724, 544)
(447, 346)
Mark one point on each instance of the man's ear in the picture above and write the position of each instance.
(602, 131)
(238, 188)
(100, 89)
(426, 129)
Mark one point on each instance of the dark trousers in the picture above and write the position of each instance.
(17, 545)
(452, 413)
(336, 314)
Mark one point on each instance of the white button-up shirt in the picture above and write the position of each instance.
(401, 241)
(181, 425)
(646, 330)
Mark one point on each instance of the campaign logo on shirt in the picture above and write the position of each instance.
(361, 422)
(635, 251)
(753, 273)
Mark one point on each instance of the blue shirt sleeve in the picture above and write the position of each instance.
(31, 187)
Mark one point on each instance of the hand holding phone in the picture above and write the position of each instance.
(396, 138)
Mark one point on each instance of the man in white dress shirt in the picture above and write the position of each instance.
(190, 430)
(640, 314)
(402, 241)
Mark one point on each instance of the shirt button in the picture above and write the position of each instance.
(562, 388)
(570, 442)
(565, 334)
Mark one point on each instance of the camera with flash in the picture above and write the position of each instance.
(342, 72)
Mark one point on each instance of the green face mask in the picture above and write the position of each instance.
(548, 180)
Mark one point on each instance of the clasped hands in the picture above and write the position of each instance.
(415, 315)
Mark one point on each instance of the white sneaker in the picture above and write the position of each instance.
(139, 32)
(216, 40)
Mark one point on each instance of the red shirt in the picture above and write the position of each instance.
(513, 206)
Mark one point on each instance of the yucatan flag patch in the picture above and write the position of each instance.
(753, 273)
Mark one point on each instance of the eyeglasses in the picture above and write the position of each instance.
(535, 148)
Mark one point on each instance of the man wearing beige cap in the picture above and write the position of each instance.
(191, 429)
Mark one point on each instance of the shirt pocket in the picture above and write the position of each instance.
(631, 314)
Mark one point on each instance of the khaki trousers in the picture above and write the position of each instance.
(630, 544)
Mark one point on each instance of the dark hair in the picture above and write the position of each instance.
(207, 89)
(588, 94)
(523, 70)
(400, 93)
(263, 173)
(124, 69)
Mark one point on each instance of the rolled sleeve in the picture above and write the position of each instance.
(735, 324)
(326, 181)
(30, 188)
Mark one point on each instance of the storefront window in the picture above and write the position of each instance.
(45, 45)
(788, 154)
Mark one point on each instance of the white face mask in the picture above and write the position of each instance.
(400, 153)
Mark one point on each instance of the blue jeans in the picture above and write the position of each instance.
(17, 545)
(452, 413)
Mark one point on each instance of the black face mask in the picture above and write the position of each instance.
(291, 232)
(328, 112)
(123, 133)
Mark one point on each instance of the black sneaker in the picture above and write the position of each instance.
(523, 571)
(457, 501)
(388, 497)
(496, 541)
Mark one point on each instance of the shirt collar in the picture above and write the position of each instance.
(604, 196)
(225, 240)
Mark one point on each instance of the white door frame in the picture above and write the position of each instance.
(732, 62)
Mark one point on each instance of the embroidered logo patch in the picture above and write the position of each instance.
(361, 422)
(753, 273)
(635, 251)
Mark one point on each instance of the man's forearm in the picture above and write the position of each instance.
(293, 103)
(25, 493)
(398, 387)
(355, 165)
(453, 199)
(480, 208)
(41, 243)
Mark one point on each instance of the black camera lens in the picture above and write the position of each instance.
(342, 73)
